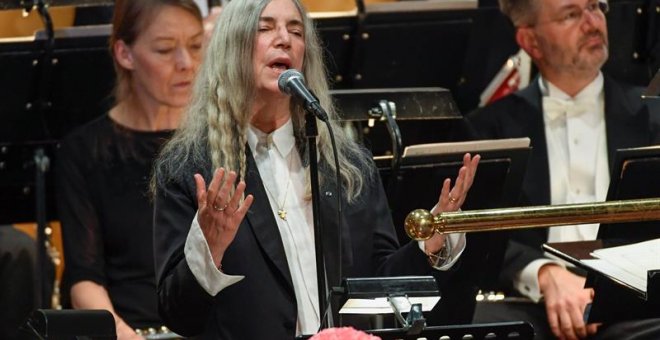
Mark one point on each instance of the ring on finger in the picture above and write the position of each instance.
(452, 199)
(217, 208)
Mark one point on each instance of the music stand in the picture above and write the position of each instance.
(615, 300)
(496, 185)
(376, 296)
(18, 4)
(634, 175)
(515, 330)
(50, 94)
(69, 324)
(412, 295)
(394, 105)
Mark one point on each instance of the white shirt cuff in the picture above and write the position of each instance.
(198, 256)
(527, 281)
(455, 244)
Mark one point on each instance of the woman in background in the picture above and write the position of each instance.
(104, 167)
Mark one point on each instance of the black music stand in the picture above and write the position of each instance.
(399, 290)
(22, 4)
(408, 294)
(46, 92)
(634, 176)
(375, 297)
(392, 106)
(516, 330)
(614, 300)
(69, 324)
(496, 185)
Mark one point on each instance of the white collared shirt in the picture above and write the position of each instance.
(578, 165)
(284, 178)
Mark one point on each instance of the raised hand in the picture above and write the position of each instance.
(452, 198)
(220, 213)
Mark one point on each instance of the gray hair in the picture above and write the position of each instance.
(520, 12)
(216, 121)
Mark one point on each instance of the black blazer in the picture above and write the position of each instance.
(263, 305)
(628, 121)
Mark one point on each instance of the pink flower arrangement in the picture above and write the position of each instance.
(343, 333)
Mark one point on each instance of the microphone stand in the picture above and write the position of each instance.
(311, 132)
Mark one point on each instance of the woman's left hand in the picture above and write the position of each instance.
(452, 198)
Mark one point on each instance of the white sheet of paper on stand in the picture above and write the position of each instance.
(628, 264)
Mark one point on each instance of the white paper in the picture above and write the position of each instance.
(628, 264)
(462, 147)
(382, 306)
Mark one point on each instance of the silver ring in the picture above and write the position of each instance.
(216, 208)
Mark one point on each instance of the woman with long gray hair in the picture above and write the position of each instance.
(234, 238)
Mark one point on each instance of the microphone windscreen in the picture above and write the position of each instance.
(286, 76)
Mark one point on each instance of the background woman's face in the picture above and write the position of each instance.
(165, 57)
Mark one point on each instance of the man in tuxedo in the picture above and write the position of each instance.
(576, 117)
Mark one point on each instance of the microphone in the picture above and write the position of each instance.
(292, 82)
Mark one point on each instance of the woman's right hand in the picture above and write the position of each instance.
(219, 212)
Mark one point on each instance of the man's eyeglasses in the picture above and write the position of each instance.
(574, 14)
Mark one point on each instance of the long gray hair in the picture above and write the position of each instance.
(219, 114)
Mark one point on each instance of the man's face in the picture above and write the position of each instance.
(571, 35)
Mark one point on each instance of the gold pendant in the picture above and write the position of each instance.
(282, 214)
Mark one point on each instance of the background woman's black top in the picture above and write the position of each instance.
(103, 174)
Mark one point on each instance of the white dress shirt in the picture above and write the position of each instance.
(284, 178)
(577, 157)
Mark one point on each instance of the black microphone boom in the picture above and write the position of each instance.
(292, 82)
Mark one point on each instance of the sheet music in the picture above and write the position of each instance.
(462, 147)
(629, 263)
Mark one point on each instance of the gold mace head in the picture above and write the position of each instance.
(419, 225)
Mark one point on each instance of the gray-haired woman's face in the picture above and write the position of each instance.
(279, 44)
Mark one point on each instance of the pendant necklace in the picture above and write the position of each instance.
(281, 212)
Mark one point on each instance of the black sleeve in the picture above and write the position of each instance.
(183, 304)
(390, 259)
(81, 229)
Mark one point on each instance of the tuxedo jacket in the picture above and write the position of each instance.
(629, 122)
(263, 305)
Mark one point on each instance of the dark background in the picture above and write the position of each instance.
(42, 97)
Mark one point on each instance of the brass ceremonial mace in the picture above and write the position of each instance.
(421, 225)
